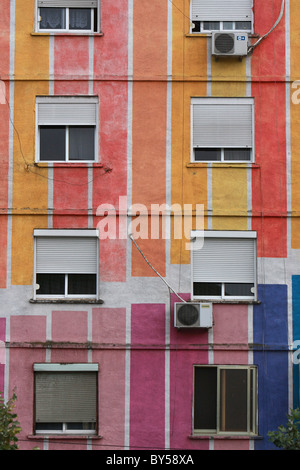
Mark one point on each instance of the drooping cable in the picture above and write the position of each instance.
(156, 272)
(251, 48)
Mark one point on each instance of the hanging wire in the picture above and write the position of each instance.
(156, 272)
(251, 48)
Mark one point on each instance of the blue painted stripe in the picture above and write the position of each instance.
(296, 337)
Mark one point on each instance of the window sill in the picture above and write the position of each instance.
(39, 437)
(65, 33)
(66, 301)
(227, 301)
(205, 35)
(69, 164)
(223, 436)
(222, 165)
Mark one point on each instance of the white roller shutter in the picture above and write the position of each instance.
(67, 112)
(67, 3)
(222, 125)
(66, 255)
(225, 260)
(222, 10)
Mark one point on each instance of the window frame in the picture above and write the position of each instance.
(222, 101)
(57, 233)
(76, 100)
(252, 421)
(225, 234)
(70, 367)
(67, 30)
(221, 29)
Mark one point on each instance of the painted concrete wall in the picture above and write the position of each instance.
(145, 73)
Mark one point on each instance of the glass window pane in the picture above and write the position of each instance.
(81, 426)
(211, 25)
(207, 288)
(48, 426)
(82, 143)
(95, 19)
(239, 290)
(207, 155)
(80, 18)
(82, 284)
(243, 25)
(53, 18)
(205, 398)
(197, 26)
(50, 284)
(52, 143)
(233, 400)
(237, 154)
(227, 25)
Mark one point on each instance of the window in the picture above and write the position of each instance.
(66, 264)
(222, 130)
(66, 398)
(221, 15)
(225, 400)
(225, 266)
(68, 16)
(66, 129)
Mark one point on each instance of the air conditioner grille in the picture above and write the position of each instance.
(224, 43)
(188, 315)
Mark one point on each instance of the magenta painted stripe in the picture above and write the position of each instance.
(2, 352)
(147, 373)
(188, 347)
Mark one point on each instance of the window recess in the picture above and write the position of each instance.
(222, 130)
(79, 16)
(224, 268)
(66, 398)
(225, 400)
(66, 129)
(66, 265)
(221, 15)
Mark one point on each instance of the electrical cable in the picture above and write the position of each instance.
(251, 48)
(156, 272)
(29, 165)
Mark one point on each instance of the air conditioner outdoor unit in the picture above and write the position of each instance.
(193, 315)
(229, 44)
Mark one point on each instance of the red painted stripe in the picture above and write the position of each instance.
(268, 88)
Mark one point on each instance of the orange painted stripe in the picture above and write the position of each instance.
(149, 115)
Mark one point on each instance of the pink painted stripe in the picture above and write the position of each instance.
(2, 352)
(185, 352)
(147, 384)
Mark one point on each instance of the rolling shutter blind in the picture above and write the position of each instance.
(67, 113)
(67, 3)
(225, 260)
(222, 125)
(221, 10)
(64, 397)
(66, 255)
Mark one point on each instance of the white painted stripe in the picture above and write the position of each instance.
(129, 198)
(288, 182)
(10, 180)
(51, 65)
(168, 223)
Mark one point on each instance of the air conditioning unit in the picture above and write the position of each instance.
(229, 44)
(193, 315)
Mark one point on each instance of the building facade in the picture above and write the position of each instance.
(149, 162)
